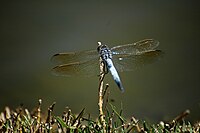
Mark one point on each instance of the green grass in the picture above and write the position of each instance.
(22, 120)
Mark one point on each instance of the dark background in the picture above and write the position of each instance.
(31, 32)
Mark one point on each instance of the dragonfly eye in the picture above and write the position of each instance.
(99, 44)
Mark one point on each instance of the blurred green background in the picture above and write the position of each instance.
(31, 32)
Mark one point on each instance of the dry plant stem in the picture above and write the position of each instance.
(49, 117)
(100, 102)
(135, 121)
(39, 111)
(39, 125)
(180, 117)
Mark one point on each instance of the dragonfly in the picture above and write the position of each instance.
(127, 57)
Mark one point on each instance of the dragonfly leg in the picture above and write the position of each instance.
(105, 68)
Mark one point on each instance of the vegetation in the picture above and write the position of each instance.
(22, 120)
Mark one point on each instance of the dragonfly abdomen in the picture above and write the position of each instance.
(114, 74)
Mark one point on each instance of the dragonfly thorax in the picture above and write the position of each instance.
(104, 52)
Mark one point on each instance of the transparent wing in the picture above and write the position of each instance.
(135, 48)
(71, 57)
(87, 68)
(132, 62)
(126, 57)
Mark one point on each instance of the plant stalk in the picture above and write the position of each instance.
(101, 92)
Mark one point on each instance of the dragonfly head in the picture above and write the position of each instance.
(101, 46)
